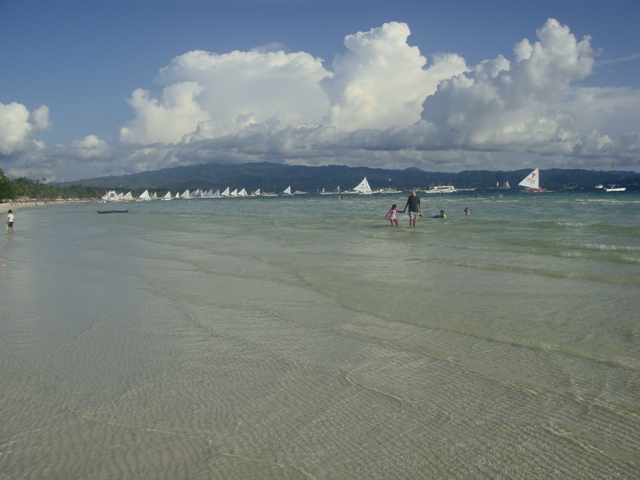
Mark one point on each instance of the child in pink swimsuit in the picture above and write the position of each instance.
(392, 215)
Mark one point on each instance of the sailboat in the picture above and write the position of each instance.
(234, 192)
(363, 187)
(531, 183)
(167, 196)
(242, 193)
(256, 193)
(111, 196)
(225, 193)
(505, 186)
(287, 191)
(145, 195)
(186, 194)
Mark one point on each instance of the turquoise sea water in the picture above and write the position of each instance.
(304, 337)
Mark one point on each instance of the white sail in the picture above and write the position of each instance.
(287, 191)
(177, 195)
(167, 196)
(531, 181)
(242, 193)
(363, 187)
(216, 194)
(505, 185)
(154, 196)
(185, 194)
(128, 196)
(234, 193)
(225, 193)
(112, 196)
(256, 193)
(145, 195)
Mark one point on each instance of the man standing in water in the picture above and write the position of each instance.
(415, 207)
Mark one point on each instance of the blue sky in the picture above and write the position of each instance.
(92, 88)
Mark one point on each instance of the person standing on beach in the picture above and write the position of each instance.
(415, 207)
(10, 219)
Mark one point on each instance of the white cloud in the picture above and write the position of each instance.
(166, 121)
(241, 88)
(90, 147)
(381, 105)
(381, 81)
(500, 105)
(17, 126)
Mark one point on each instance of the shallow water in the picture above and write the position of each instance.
(304, 337)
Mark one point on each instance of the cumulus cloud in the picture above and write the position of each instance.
(168, 120)
(90, 147)
(209, 95)
(382, 103)
(379, 82)
(500, 104)
(17, 126)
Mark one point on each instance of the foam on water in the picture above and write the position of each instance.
(304, 337)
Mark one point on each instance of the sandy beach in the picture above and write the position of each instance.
(19, 205)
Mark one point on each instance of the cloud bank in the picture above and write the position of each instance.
(381, 103)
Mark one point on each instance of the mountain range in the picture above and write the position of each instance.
(272, 177)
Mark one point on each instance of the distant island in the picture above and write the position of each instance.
(272, 177)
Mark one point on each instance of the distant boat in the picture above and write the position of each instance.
(255, 193)
(167, 196)
(441, 189)
(186, 194)
(505, 186)
(234, 193)
(614, 188)
(110, 196)
(225, 193)
(599, 186)
(287, 191)
(242, 193)
(112, 211)
(145, 195)
(531, 183)
(387, 190)
(363, 187)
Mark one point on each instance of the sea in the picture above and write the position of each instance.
(304, 337)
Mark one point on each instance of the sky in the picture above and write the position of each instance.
(91, 88)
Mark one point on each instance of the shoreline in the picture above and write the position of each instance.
(15, 206)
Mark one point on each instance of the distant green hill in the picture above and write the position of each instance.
(275, 178)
